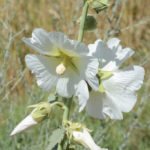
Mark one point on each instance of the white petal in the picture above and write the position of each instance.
(49, 43)
(82, 93)
(27, 123)
(99, 105)
(122, 86)
(64, 87)
(120, 55)
(40, 41)
(113, 43)
(45, 70)
(94, 49)
(61, 41)
(66, 83)
(110, 56)
(90, 69)
(94, 105)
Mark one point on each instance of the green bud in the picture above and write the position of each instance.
(90, 23)
(98, 5)
(41, 111)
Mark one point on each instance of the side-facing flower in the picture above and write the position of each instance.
(80, 134)
(63, 63)
(117, 90)
(40, 112)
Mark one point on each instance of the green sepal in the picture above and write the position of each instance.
(98, 5)
(41, 111)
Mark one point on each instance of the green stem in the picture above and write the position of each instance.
(83, 18)
(67, 110)
(59, 147)
(65, 116)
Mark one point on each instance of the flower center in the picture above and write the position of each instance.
(103, 75)
(61, 68)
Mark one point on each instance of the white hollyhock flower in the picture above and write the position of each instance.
(25, 124)
(117, 91)
(84, 138)
(63, 63)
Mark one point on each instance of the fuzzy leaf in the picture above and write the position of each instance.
(56, 137)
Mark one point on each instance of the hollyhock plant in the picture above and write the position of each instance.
(63, 63)
(117, 90)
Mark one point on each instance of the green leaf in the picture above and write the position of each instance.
(56, 137)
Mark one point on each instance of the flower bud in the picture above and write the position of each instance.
(40, 112)
(80, 134)
(84, 138)
(98, 5)
(90, 23)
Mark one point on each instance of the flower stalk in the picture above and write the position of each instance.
(80, 38)
(83, 18)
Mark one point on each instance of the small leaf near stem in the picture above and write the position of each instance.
(83, 18)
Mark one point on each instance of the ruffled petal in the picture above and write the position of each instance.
(82, 93)
(113, 43)
(68, 46)
(122, 85)
(45, 70)
(40, 41)
(99, 105)
(94, 49)
(110, 56)
(120, 55)
(53, 43)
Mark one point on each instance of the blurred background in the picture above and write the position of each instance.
(128, 20)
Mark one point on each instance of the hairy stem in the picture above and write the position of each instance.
(65, 117)
(83, 18)
(67, 110)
